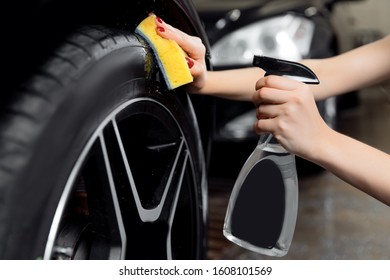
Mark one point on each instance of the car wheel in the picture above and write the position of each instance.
(98, 160)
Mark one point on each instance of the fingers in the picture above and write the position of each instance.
(192, 45)
(276, 90)
(267, 95)
(278, 101)
(277, 82)
(269, 117)
(264, 126)
(196, 68)
(268, 111)
(194, 48)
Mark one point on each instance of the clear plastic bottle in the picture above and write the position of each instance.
(262, 210)
(263, 206)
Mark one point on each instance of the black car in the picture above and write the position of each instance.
(286, 29)
(98, 160)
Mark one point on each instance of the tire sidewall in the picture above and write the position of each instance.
(107, 83)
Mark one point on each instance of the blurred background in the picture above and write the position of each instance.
(335, 221)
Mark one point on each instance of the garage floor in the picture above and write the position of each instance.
(335, 221)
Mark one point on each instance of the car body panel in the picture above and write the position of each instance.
(36, 27)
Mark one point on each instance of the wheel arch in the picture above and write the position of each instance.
(98, 49)
(40, 26)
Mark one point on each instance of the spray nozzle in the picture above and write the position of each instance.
(280, 67)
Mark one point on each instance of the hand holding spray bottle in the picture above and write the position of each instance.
(263, 206)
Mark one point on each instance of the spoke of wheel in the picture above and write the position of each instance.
(119, 219)
(147, 215)
(174, 205)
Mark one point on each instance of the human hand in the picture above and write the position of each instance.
(287, 109)
(195, 49)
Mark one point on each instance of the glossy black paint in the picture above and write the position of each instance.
(324, 44)
(36, 27)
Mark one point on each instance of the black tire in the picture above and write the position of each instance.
(98, 160)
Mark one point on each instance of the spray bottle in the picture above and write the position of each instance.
(263, 205)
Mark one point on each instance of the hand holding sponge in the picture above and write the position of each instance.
(170, 56)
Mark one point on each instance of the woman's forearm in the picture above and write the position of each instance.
(356, 69)
(361, 165)
(236, 84)
(350, 71)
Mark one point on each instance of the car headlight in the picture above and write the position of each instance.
(285, 37)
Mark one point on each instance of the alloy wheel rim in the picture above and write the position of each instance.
(120, 203)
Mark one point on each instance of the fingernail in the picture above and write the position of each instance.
(189, 62)
(160, 29)
(159, 19)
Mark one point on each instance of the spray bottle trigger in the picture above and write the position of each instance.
(290, 69)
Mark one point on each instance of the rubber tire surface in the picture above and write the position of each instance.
(45, 127)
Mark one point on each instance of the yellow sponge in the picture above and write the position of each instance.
(170, 57)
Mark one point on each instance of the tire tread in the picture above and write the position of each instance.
(36, 99)
(31, 106)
